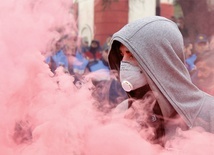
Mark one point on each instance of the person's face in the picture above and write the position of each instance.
(131, 75)
(58, 46)
(188, 50)
(71, 45)
(204, 71)
(94, 45)
(105, 55)
(85, 44)
(201, 47)
(127, 56)
(212, 43)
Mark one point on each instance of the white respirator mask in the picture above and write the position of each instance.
(131, 76)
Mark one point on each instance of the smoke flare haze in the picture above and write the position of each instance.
(46, 114)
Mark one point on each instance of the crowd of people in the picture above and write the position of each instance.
(197, 51)
(170, 65)
(149, 57)
(79, 58)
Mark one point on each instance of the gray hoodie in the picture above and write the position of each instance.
(157, 45)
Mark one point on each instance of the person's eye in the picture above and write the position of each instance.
(131, 57)
(121, 53)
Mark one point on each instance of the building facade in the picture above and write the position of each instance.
(98, 20)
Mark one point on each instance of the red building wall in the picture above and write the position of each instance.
(167, 10)
(110, 19)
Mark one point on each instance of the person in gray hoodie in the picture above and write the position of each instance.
(148, 54)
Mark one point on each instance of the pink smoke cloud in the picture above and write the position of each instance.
(43, 114)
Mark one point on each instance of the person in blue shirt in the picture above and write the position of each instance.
(58, 58)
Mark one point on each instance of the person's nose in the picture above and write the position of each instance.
(126, 57)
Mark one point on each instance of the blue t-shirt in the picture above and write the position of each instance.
(97, 66)
(190, 62)
(59, 58)
(82, 63)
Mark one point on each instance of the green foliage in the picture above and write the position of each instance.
(177, 10)
(176, 2)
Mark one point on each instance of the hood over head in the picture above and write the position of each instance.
(157, 45)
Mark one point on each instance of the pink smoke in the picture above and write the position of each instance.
(42, 114)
